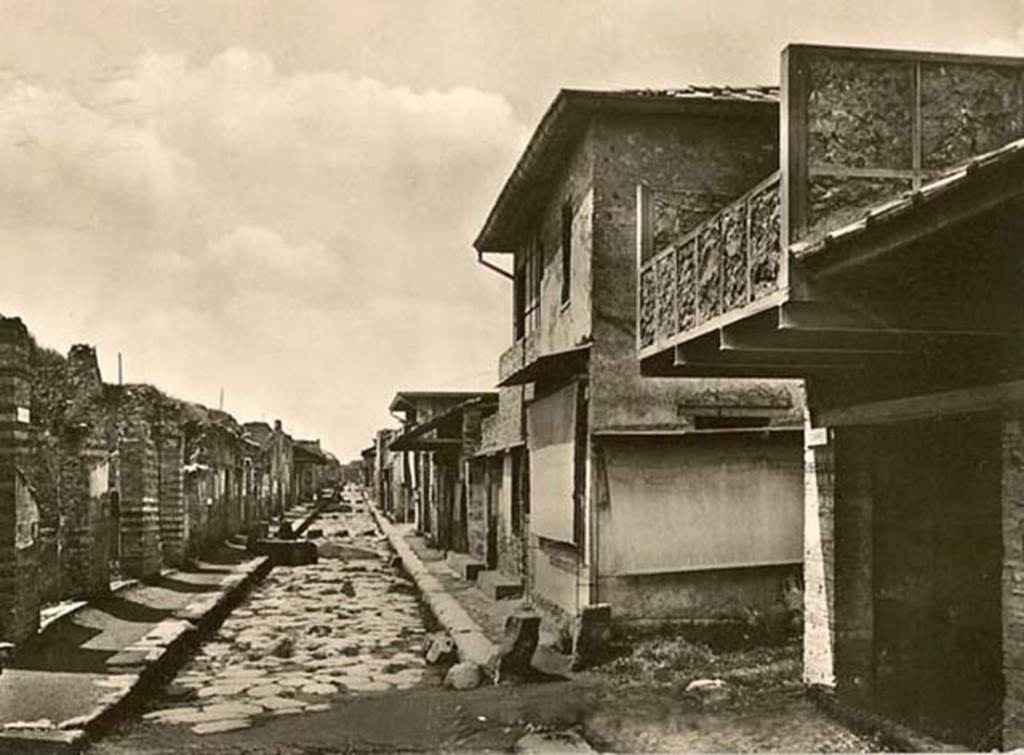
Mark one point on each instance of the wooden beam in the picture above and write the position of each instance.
(787, 357)
(788, 341)
(962, 401)
(888, 317)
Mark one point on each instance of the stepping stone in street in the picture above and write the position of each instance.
(266, 690)
(318, 688)
(176, 716)
(217, 727)
(275, 704)
(224, 711)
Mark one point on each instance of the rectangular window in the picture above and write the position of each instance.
(528, 274)
(519, 294)
(566, 251)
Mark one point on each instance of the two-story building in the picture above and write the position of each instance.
(672, 501)
(440, 432)
(882, 264)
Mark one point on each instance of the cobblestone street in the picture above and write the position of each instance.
(305, 637)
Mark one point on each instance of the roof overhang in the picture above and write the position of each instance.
(406, 400)
(417, 437)
(552, 366)
(565, 122)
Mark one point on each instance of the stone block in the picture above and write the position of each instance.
(440, 649)
(463, 676)
(591, 634)
(463, 566)
(515, 655)
(286, 552)
(498, 586)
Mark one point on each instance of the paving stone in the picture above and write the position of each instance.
(319, 689)
(280, 703)
(224, 711)
(216, 727)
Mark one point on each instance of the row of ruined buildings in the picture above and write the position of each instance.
(100, 482)
(766, 361)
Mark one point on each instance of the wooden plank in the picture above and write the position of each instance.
(843, 171)
(888, 317)
(753, 340)
(687, 354)
(963, 401)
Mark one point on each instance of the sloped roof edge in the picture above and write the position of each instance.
(570, 107)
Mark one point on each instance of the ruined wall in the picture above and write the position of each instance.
(140, 513)
(170, 450)
(705, 162)
(19, 514)
(476, 521)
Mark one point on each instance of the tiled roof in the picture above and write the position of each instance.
(745, 94)
(890, 210)
(568, 116)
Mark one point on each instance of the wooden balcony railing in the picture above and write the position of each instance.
(729, 261)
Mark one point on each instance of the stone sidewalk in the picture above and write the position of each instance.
(72, 679)
(475, 621)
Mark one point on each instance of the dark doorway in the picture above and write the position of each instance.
(937, 576)
(495, 469)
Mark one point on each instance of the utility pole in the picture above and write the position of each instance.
(221, 399)
(120, 369)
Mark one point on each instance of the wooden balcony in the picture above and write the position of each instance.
(729, 264)
(521, 354)
(824, 266)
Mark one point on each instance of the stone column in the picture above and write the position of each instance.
(171, 493)
(819, 557)
(140, 515)
(19, 516)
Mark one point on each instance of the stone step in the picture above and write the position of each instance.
(498, 586)
(465, 567)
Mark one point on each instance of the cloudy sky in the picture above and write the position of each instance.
(278, 197)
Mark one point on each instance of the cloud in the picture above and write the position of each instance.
(63, 164)
(300, 239)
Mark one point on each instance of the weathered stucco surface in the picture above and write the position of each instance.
(706, 162)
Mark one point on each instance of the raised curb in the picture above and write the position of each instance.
(469, 638)
(143, 665)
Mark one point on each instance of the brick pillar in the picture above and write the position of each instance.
(1013, 578)
(140, 515)
(819, 558)
(19, 516)
(171, 493)
(85, 481)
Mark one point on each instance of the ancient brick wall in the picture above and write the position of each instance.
(84, 484)
(140, 514)
(19, 520)
(171, 453)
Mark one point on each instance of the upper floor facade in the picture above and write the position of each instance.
(567, 220)
(821, 267)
